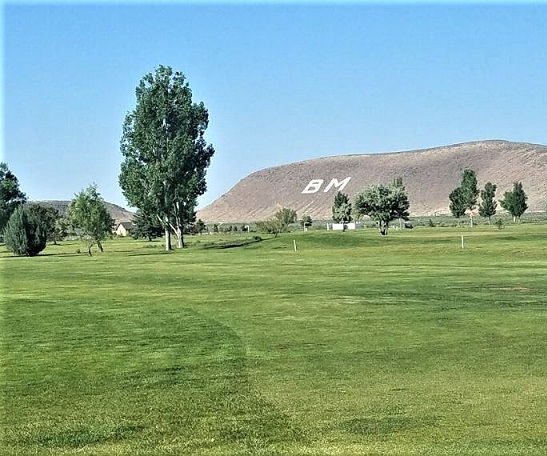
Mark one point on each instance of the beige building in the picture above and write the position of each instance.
(124, 229)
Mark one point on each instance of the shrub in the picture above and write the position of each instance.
(25, 234)
(271, 226)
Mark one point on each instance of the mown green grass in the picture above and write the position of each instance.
(355, 344)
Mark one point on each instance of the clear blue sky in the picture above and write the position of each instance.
(282, 82)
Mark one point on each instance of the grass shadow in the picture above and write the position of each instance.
(232, 243)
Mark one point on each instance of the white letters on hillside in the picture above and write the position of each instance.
(315, 185)
(339, 185)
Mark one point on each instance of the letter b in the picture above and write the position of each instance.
(313, 186)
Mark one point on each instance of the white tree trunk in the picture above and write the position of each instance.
(180, 239)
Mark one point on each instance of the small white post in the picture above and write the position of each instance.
(294, 242)
(462, 241)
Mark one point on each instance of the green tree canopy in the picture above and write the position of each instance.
(341, 209)
(25, 233)
(49, 216)
(383, 204)
(10, 194)
(199, 227)
(465, 196)
(402, 211)
(457, 202)
(146, 226)
(470, 189)
(89, 217)
(271, 226)
(488, 205)
(515, 201)
(165, 154)
(306, 221)
(285, 217)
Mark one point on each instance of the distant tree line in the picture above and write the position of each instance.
(165, 159)
(465, 199)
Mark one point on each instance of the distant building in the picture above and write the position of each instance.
(124, 228)
(344, 226)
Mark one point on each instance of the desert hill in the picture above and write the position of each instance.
(429, 176)
(119, 214)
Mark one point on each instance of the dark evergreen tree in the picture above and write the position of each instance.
(25, 233)
(10, 194)
(146, 226)
(49, 216)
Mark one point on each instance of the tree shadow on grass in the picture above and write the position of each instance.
(151, 253)
(233, 243)
(42, 255)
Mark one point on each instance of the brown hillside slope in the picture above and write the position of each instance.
(429, 176)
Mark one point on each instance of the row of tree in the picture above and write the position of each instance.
(162, 174)
(465, 199)
(165, 158)
(387, 203)
(25, 227)
(382, 203)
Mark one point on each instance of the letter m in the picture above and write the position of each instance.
(338, 185)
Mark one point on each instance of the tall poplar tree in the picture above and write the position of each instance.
(457, 203)
(465, 196)
(165, 154)
(515, 202)
(488, 205)
(470, 191)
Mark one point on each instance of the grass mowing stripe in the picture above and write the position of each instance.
(159, 374)
(356, 344)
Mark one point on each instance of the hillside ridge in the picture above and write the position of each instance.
(429, 175)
